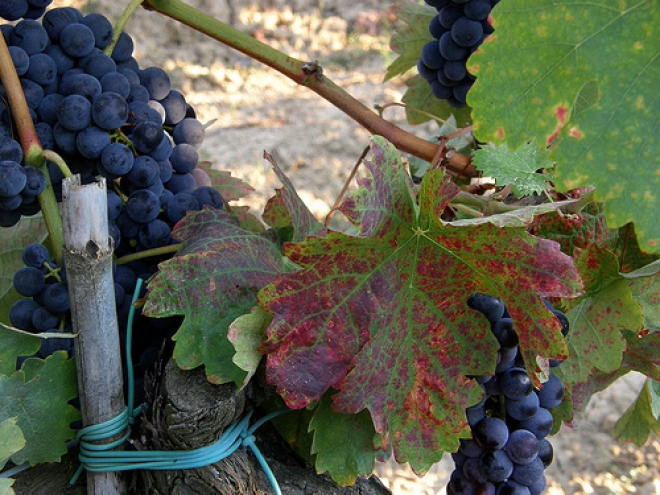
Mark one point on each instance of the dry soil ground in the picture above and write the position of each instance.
(256, 109)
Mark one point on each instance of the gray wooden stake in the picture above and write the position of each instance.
(88, 261)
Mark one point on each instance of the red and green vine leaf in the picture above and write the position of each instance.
(546, 74)
(303, 221)
(213, 280)
(11, 439)
(408, 40)
(638, 421)
(597, 318)
(38, 396)
(382, 317)
(422, 106)
(576, 230)
(645, 287)
(276, 213)
(517, 168)
(343, 443)
(246, 333)
(230, 188)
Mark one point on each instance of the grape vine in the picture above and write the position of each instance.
(384, 331)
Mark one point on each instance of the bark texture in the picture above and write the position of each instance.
(190, 412)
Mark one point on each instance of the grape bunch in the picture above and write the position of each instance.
(105, 116)
(458, 29)
(508, 451)
(47, 304)
(13, 10)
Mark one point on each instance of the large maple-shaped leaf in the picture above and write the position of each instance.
(596, 319)
(38, 396)
(547, 73)
(383, 318)
(213, 280)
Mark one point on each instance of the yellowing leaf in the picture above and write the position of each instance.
(547, 74)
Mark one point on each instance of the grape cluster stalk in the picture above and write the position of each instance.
(508, 452)
(458, 29)
(106, 117)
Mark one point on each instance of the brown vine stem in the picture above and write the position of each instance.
(308, 74)
(31, 146)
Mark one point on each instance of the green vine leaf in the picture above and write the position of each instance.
(645, 287)
(418, 96)
(517, 168)
(212, 281)
(550, 66)
(597, 318)
(38, 396)
(642, 354)
(6, 486)
(408, 41)
(343, 460)
(247, 333)
(638, 422)
(382, 317)
(11, 439)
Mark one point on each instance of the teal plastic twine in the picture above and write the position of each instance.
(99, 458)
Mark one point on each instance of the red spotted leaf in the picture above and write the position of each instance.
(597, 318)
(382, 317)
(577, 230)
(213, 280)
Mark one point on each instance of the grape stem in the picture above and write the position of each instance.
(310, 75)
(32, 149)
(120, 24)
(51, 156)
(148, 253)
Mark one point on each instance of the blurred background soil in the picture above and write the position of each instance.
(251, 108)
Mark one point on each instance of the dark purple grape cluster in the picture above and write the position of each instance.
(105, 116)
(46, 307)
(458, 29)
(13, 10)
(508, 451)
